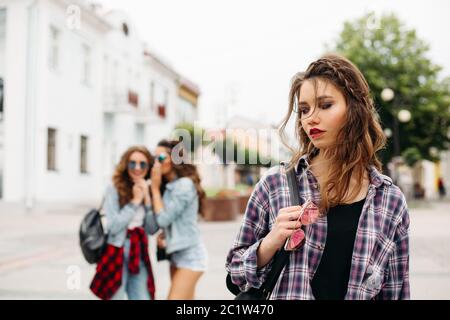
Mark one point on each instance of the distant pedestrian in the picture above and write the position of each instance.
(249, 180)
(441, 186)
(406, 184)
(419, 192)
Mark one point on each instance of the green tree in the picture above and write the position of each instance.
(195, 134)
(229, 151)
(392, 56)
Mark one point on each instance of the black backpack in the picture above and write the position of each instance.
(92, 236)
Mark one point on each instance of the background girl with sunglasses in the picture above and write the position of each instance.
(177, 200)
(357, 246)
(125, 268)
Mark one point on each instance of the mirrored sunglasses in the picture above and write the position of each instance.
(161, 157)
(308, 215)
(133, 164)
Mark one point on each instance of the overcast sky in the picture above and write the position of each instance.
(254, 47)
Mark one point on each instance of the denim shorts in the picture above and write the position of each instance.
(194, 258)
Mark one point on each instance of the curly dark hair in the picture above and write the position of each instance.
(184, 170)
(358, 141)
(122, 180)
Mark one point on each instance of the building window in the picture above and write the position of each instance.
(125, 29)
(86, 67)
(83, 154)
(2, 59)
(186, 111)
(162, 110)
(133, 98)
(152, 96)
(113, 95)
(161, 100)
(51, 149)
(1, 98)
(140, 134)
(53, 57)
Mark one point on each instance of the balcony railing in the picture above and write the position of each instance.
(127, 101)
(162, 111)
(133, 98)
(115, 100)
(120, 100)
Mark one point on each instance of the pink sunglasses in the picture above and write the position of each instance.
(308, 215)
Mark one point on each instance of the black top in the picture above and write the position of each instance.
(331, 278)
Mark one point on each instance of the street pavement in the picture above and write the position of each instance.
(40, 256)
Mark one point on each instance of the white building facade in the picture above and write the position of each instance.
(78, 90)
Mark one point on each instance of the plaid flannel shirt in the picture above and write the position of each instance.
(380, 260)
(108, 277)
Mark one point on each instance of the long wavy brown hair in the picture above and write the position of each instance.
(121, 179)
(357, 142)
(184, 170)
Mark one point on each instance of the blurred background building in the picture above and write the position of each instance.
(77, 86)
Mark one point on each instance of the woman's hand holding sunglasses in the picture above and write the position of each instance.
(308, 215)
(285, 223)
(287, 228)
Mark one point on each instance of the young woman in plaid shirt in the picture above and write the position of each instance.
(358, 246)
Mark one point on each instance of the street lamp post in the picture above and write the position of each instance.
(387, 95)
(403, 116)
(396, 138)
(398, 115)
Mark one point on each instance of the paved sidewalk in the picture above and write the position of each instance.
(40, 257)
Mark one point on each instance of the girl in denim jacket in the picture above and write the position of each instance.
(176, 202)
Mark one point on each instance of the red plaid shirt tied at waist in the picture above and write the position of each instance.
(108, 276)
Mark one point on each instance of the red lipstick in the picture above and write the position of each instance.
(316, 133)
